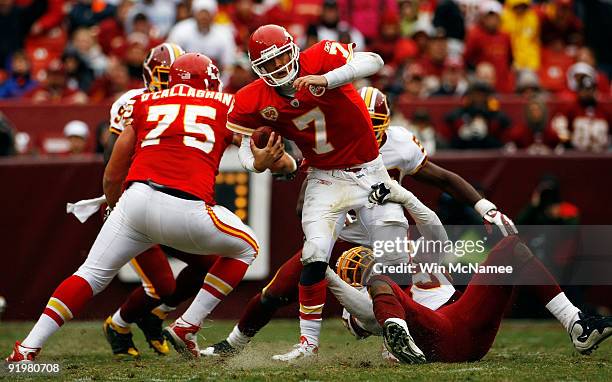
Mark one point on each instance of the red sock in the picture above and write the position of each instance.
(224, 276)
(312, 298)
(534, 272)
(68, 299)
(137, 305)
(387, 306)
(256, 315)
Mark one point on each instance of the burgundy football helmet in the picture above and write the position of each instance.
(156, 66)
(197, 71)
(376, 103)
(267, 43)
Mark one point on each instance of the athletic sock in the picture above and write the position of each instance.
(118, 320)
(237, 339)
(218, 283)
(65, 302)
(137, 305)
(563, 309)
(312, 299)
(162, 311)
(256, 315)
(387, 306)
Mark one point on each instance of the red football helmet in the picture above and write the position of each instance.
(376, 103)
(197, 71)
(267, 43)
(156, 66)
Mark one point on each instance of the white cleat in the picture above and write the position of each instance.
(400, 343)
(301, 350)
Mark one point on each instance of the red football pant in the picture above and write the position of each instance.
(464, 330)
(281, 291)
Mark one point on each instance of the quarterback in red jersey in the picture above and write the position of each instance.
(166, 159)
(308, 98)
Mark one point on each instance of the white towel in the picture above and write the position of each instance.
(83, 209)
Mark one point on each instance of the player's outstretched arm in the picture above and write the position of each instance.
(118, 166)
(362, 65)
(460, 189)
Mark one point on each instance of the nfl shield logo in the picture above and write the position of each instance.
(270, 113)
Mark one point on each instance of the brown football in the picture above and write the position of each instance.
(261, 136)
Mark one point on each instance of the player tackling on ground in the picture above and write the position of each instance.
(166, 159)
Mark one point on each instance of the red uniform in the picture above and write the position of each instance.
(181, 136)
(585, 128)
(331, 127)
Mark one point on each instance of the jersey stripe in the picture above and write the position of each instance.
(239, 129)
(225, 228)
(148, 285)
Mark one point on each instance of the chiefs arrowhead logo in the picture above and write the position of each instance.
(316, 91)
(270, 113)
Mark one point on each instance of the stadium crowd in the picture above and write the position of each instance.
(542, 53)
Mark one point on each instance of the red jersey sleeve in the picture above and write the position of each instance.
(241, 117)
(327, 55)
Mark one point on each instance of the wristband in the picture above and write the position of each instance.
(483, 206)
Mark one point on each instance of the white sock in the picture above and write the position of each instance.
(311, 329)
(118, 320)
(42, 330)
(237, 339)
(200, 308)
(563, 309)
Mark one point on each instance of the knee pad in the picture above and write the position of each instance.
(96, 280)
(378, 286)
(311, 253)
(313, 273)
(274, 302)
(522, 254)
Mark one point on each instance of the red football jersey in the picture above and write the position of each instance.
(181, 136)
(331, 127)
(586, 128)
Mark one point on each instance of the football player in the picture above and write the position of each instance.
(402, 155)
(460, 331)
(166, 159)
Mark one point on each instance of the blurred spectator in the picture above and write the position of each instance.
(393, 48)
(84, 43)
(102, 136)
(470, 9)
(54, 87)
(596, 16)
(453, 82)
(528, 85)
(585, 123)
(585, 55)
(486, 74)
(15, 24)
(408, 16)
(77, 133)
(330, 27)
(113, 83)
(112, 33)
(433, 59)
(161, 14)
(420, 125)
(241, 76)
(87, 13)
(555, 62)
(448, 16)
(7, 137)
(413, 86)
(420, 35)
(245, 21)
(19, 80)
(521, 21)
(365, 15)
(536, 120)
(478, 124)
(547, 207)
(137, 49)
(79, 75)
(560, 23)
(486, 43)
(201, 34)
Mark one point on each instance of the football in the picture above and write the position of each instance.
(261, 136)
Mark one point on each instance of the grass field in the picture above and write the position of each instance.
(523, 351)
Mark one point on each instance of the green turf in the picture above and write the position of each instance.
(523, 351)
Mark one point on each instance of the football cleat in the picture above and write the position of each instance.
(22, 354)
(301, 350)
(120, 339)
(400, 343)
(151, 326)
(589, 331)
(386, 356)
(220, 349)
(184, 338)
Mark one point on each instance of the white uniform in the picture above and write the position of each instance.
(403, 155)
(119, 107)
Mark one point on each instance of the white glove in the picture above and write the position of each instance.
(491, 216)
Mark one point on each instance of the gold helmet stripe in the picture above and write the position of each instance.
(368, 97)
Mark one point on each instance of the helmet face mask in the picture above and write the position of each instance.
(159, 78)
(156, 67)
(354, 265)
(376, 103)
(267, 44)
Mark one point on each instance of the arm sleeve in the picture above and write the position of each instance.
(240, 119)
(363, 64)
(245, 155)
(414, 156)
(427, 222)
